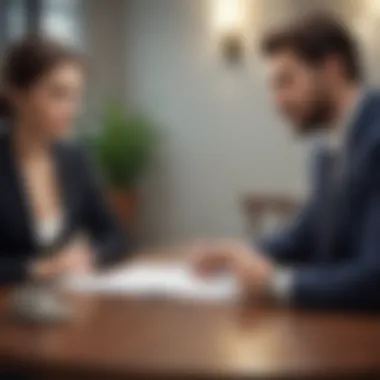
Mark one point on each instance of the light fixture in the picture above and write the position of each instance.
(229, 23)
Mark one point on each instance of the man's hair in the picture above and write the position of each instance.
(314, 38)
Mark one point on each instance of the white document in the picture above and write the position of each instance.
(174, 280)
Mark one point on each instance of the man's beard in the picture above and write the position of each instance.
(319, 116)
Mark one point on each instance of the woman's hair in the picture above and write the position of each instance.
(26, 61)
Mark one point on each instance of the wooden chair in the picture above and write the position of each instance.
(261, 208)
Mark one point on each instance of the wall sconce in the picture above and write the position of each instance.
(229, 23)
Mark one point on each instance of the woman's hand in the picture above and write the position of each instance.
(76, 258)
(44, 269)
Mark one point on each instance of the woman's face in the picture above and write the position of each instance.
(51, 104)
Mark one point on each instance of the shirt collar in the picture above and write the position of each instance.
(335, 138)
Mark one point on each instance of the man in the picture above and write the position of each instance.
(330, 256)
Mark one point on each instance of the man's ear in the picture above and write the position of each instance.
(334, 66)
(15, 96)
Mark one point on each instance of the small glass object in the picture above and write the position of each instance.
(40, 303)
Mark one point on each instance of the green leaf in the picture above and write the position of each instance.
(123, 146)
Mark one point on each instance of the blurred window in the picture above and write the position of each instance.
(62, 19)
(16, 18)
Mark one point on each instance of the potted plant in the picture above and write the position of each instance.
(122, 147)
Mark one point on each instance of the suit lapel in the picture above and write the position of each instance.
(360, 143)
(328, 205)
(334, 215)
(64, 179)
(19, 191)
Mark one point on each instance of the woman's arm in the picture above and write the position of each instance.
(13, 269)
(20, 269)
(108, 237)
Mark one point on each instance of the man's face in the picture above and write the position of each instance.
(300, 91)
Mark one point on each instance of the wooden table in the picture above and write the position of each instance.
(115, 338)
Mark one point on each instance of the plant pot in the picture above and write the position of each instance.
(125, 204)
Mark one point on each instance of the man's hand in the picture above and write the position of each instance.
(75, 258)
(252, 269)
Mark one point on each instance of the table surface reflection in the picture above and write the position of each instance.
(119, 337)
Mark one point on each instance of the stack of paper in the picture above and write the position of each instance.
(157, 280)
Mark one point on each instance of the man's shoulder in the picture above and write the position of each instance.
(367, 124)
(371, 104)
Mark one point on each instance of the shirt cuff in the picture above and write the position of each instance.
(281, 285)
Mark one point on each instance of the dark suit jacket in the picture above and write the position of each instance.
(83, 204)
(345, 273)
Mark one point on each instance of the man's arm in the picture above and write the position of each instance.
(352, 284)
(293, 244)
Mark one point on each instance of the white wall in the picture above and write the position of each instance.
(220, 137)
(104, 36)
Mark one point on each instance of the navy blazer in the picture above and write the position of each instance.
(84, 210)
(346, 272)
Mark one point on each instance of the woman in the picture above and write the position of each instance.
(53, 218)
